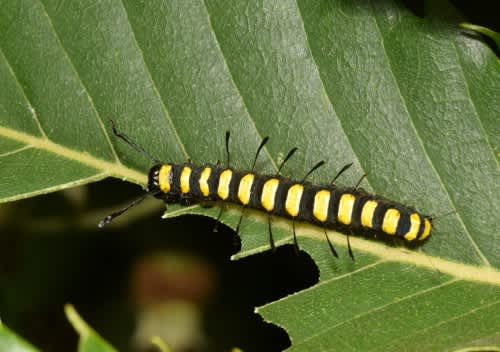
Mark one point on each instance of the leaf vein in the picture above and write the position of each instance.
(440, 323)
(420, 141)
(154, 85)
(23, 92)
(376, 309)
(70, 154)
(473, 104)
(349, 140)
(77, 75)
(15, 151)
(233, 82)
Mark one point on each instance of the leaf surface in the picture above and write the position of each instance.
(9, 341)
(412, 102)
(89, 340)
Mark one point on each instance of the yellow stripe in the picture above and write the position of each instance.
(293, 197)
(185, 175)
(427, 230)
(414, 227)
(203, 181)
(268, 193)
(165, 178)
(367, 213)
(320, 207)
(390, 222)
(244, 188)
(224, 180)
(345, 208)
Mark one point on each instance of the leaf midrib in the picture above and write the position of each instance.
(461, 271)
(117, 169)
(106, 168)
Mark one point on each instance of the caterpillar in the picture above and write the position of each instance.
(325, 205)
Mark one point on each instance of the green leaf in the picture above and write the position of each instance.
(483, 30)
(412, 102)
(90, 341)
(11, 342)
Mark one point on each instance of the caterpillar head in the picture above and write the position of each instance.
(160, 180)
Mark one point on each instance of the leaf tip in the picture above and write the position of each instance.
(76, 321)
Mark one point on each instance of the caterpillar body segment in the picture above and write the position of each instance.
(326, 205)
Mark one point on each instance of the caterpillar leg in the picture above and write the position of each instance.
(360, 179)
(131, 143)
(330, 244)
(216, 224)
(271, 239)
(295, 243)
(239, 221)
(117, 213)
(344, 168)
(349, 246)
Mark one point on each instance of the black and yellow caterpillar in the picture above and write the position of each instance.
(328, 205)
